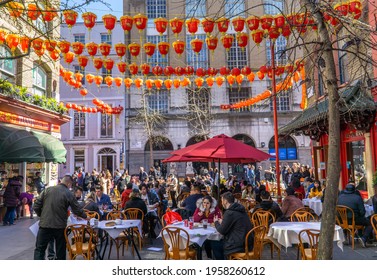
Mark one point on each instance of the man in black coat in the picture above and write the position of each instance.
(234, 225)
(351, 199)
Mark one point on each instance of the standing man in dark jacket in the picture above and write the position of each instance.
(11, 194)
(234, 226)
(351, 199)
(52, 208)
(38, 184)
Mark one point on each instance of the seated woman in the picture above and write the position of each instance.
(316, 191)
(248, 192)
(206, 209)
(90, 203)
(135, 201)
(290, 204)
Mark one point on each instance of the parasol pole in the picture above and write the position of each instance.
(218, 183)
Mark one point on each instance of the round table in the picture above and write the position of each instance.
(314, 203)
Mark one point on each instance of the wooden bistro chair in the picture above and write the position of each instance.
(373, 221)
(258, 233)
(176, 246)
(79, 241)
(311, 252)
(302, 216)
(92, 214)
(342, 221)
(134, 214)
(265, 218)
(118, 241)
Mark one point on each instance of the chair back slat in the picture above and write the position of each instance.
(342, 213)
(312, 239)
(115, 214)
(302, 216)
(263, 218)
(134, 214)
(259, 233)
(373, 221)
(76, 236)
(173, 238)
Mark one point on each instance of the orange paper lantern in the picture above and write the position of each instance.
(199, 82)
(63, 46)
(126, 22)
(168, 84)
(210, 81)
(179, 47)
(69, 57)
(185, 82)
(98, 80)
(120, 49)
(83, 92)
(109, 22)
(239, 79)
(105, 49)
(49, 14)
(128, 82)
(15, 9)
(78, 47)
(70, 17)
(78, 76)
(176, 25)
(12, 41)
(260, 75)
(109, 81)
(55, 55)
(89, 20)
(33, 12)
(149, 48)
(50, 45)
(176, 83)
(24, 42)
(251, 77)
(161, 24)
(192, 25)
(149, 84)
(138, 83)
(89, 78)
(220, 80)
(231, 79)
(37, 44)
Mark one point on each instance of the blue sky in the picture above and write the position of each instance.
(100, 9)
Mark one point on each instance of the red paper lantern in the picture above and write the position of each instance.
(266, 22)
(238, 24)
(263, 69)
(286, 31)
(97, 63)
(15, 9)
(212, 71)
(176, 25)
(37, 44)
(227, 41)
(134, 69)
(212, 43)
(161, 24)
(242, 39)
(179, 47)
(189, 70)
(149, 48)
(108, 64)
(89, 20)
(145, 68)
(105, 49)
(341, 8)
(24, 42)
(222, 25)
(252, 22)
(91, 48)
(69, 57)
(179, 71)
(289, 68)
(235, 72)
(83, 92)
(224, 71)
(68, 105)
(70, 17)
(246, 70)
(49, 14)
(200, 72)
(163, 48)
(274, 33)
(78, 47)
(109, 22)
(257, 36)
(196, 45)
(83, 61)
(12, 41)
(140, 22)
(122, 67)
(279, 21)
(355, 8)
(134, 49)
(120, 49)
(208, 25)
(33, 12)
(168, 71)
(157, 70)
(192, 25)
(50, 45)
(126, 22)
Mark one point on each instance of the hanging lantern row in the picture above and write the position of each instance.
(32, 11)
(101, 108)
(286, 84)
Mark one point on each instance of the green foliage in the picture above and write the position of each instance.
(20, 93)
(375, 178)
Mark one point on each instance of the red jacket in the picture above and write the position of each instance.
(125, 196)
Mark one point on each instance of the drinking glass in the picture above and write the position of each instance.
(205, 223)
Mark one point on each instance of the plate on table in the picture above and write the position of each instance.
(110, 224)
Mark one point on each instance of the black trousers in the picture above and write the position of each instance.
(45, 235)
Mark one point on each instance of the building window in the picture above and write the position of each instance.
(237, 57)
(79, 160)
(106, 38)
(78, 69)
(79, 38)
(39, 81)
(156, 8)
(79, 124)
(194, 59)
(237, 95)
(199, 100)
(106, 126)
(287, 148)
(280, 54)
(157, 58)
(234, 8)
(273, 7)
(158, 101)
(7, 66)
(196, 8)
(105, 73)
(283, 101)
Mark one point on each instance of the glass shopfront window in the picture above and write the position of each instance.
(356, 164)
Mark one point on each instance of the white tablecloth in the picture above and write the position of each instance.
(314, 204)
(114, 231)
(286, 233)
(198, 234)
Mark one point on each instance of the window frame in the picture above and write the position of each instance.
(36, 86)
(109, 38)
(5, 74)
(81, 130)
(158, 101)
(111, 129)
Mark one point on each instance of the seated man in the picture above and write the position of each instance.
(268, 204)
(152, 202)
(103, 201)
(190, 202)
(351, 199)
(25, 198)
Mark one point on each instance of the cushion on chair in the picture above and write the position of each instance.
(182, 254)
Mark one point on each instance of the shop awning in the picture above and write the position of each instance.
(54, 149)
(354, 100)
(18, 145)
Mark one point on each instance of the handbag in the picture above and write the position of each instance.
(171, 217)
